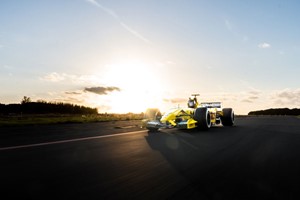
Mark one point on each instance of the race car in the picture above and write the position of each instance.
(196, 115)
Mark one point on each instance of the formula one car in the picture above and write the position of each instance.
(201, 116)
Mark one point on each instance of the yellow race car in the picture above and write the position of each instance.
(196, 115)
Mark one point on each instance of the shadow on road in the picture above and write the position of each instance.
(227, 163)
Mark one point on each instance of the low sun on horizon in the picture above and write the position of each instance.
(139, 87)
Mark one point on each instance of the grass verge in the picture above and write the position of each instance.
(21, 120)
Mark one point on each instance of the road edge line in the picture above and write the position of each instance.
(69, 140)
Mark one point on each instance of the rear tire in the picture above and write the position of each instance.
(202, 116)
(228, 117)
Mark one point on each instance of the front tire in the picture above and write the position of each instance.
(228, 117)
(152, 130)
(152, 114)
(202, 116)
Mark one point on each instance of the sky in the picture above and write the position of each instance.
(125, 56)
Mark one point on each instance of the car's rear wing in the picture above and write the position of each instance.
(211, 104)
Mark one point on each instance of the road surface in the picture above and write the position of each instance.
(258, 158)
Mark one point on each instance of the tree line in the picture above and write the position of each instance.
(43, 107)
(276, 111)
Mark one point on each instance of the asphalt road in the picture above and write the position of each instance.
(258, 158)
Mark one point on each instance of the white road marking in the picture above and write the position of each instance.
(70, 140)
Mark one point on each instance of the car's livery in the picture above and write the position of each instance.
(196, 115)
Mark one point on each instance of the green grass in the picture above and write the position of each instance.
(58, 119)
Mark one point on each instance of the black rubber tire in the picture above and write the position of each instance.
(152, 130)
(202, 116)
(228, 117)
(152, 114)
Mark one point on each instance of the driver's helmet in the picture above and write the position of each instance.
(191, 103)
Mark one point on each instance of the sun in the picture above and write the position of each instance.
(140, 87)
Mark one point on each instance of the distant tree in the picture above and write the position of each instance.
(2, 108)
(25, 100)
(43, 107)
(276, 111)
(41, 101)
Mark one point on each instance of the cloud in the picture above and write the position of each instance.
(135, 33)
(64, 97)
(54, 77)
(287, 97)
(289, 94)
(222, 96)
(264, 45)
(70, 78)
(101, 90)
(247, 101)
(87, 98)
(116, 17)
(107, 10)
(73, 93)
(254, 91)
(70, 100)
(165, 63)
(251, 96)
(176, 100)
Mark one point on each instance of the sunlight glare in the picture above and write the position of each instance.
(139, 84)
